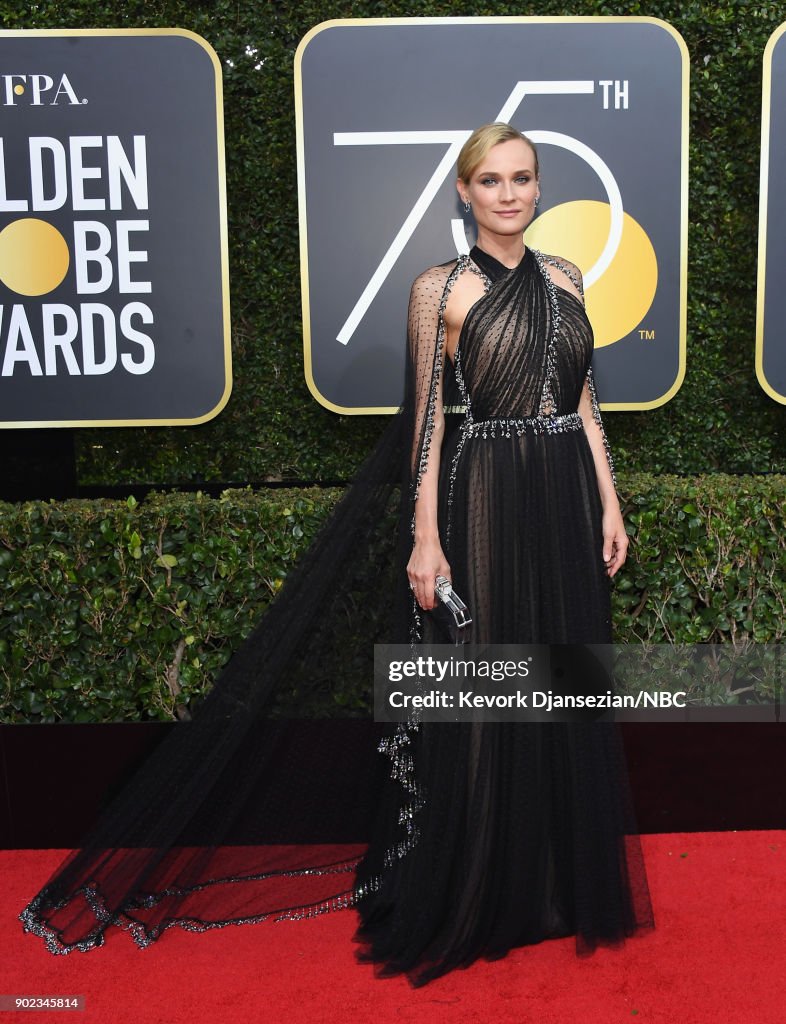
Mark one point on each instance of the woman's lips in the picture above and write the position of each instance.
(507, 213)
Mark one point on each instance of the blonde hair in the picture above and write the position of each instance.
(477, 146)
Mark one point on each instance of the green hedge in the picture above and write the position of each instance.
(272, 428)
(117, 610)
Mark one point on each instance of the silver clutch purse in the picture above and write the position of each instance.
(450, 612)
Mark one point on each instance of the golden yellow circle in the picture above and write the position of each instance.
(19, 89)
(620, 299)
(34, 256)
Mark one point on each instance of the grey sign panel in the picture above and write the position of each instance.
(771, 305)
(114, 298)
(383, 107)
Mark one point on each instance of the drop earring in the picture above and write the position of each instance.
(467, 206)
(537, 200)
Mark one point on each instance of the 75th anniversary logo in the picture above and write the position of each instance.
(114, 301)
(383, 108)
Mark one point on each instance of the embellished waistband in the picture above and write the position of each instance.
(531, 424)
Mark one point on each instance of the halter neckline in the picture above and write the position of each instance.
(491, 266)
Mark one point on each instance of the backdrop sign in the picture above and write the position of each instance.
(771, 299)
(114, 301)
(383, 108)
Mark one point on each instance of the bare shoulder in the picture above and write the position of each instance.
(565, 274)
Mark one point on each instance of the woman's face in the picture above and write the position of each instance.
(503, 188)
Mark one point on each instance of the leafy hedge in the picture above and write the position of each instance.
(272, 428)
(118, 610)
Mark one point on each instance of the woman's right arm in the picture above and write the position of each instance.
(427, 558)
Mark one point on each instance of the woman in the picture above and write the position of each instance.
(522, 829)
(533, 837)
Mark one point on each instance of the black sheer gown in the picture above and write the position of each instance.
(524, 830)
(534, 836)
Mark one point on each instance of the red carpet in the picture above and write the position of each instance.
(717, 955)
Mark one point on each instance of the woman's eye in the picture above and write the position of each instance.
(521, 179)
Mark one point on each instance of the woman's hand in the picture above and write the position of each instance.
(615, 540)
(426, 562)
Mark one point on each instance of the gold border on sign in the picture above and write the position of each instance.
(764, 173)
(530, 19)
(223, 234)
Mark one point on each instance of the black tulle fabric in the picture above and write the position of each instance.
(533, 837)
(487, 836)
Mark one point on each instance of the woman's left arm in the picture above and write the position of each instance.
(615, 539)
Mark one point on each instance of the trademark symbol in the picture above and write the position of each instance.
(647, 335)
